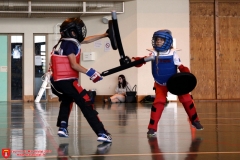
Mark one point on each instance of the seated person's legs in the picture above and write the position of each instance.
(116, 98)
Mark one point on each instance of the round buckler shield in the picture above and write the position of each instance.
(111, 35)
(181, 83)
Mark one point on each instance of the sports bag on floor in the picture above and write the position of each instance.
(131, 95)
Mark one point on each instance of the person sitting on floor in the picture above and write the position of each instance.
(120, 91)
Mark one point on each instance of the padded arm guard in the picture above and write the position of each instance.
(137, 58)
(182, 68)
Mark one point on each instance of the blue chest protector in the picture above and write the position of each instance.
(164, 69)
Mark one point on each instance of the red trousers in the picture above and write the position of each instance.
(159, 103)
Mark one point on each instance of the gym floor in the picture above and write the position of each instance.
(28, 131)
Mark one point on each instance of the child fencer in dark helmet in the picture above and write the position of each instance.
(65, 73)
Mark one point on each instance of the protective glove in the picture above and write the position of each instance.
(94, 75)
(182, 68)
(137, 58)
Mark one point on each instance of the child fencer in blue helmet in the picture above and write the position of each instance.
(164, 66)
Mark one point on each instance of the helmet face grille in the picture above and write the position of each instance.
(84, 31)
(73, 28)
(166, 35)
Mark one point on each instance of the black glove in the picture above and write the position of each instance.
(107, 31)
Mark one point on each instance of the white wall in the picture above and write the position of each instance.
(160, 14)
(137, 24)
(127, 23)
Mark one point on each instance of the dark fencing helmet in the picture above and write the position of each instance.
(168, 40)
(73, 28)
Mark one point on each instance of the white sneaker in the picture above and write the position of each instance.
(63, 132)
(102, 137)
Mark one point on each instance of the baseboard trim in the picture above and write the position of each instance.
(99, 98)
(28, 98)
(52, 99)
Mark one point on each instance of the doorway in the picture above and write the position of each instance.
(39, 64)
(16, 46)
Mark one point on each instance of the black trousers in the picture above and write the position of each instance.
(71, 92)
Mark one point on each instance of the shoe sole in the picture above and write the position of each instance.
(152, 135)
(197, 129)
(100, 139)
(62, 134)
(103, 148)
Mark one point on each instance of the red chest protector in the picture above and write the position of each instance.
(61, 68)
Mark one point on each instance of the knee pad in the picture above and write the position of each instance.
(151, 122)
(85, 96)
(153, 109)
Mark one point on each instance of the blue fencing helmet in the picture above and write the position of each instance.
(73, 28)
(168, 40)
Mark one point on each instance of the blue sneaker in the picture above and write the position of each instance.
(197, 125)
(63, 132)
(102, 137)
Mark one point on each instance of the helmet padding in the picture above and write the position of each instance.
(73, 28)
(168, 40)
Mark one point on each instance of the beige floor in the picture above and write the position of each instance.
(29, 129)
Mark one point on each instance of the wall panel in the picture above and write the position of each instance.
(215, 43)
(228, 80)
(202, 50)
